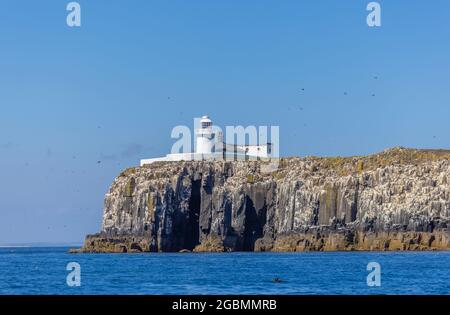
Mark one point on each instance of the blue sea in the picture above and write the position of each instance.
(41, 270)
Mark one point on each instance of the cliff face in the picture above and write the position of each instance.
(396, 200)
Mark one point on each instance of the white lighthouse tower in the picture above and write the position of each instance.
(205, 137)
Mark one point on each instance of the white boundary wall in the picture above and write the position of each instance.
(229, 156)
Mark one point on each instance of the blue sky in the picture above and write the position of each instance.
(113, 89)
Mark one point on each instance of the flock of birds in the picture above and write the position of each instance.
(345, 94)
(301, 108)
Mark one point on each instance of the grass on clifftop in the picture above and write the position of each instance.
(394, 156)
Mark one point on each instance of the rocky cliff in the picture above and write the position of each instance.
(398, 199)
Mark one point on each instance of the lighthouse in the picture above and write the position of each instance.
(205, 137)
(210, 146)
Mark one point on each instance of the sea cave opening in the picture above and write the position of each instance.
(253, 227)
(192, 234)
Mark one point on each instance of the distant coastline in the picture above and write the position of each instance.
(39, 244)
